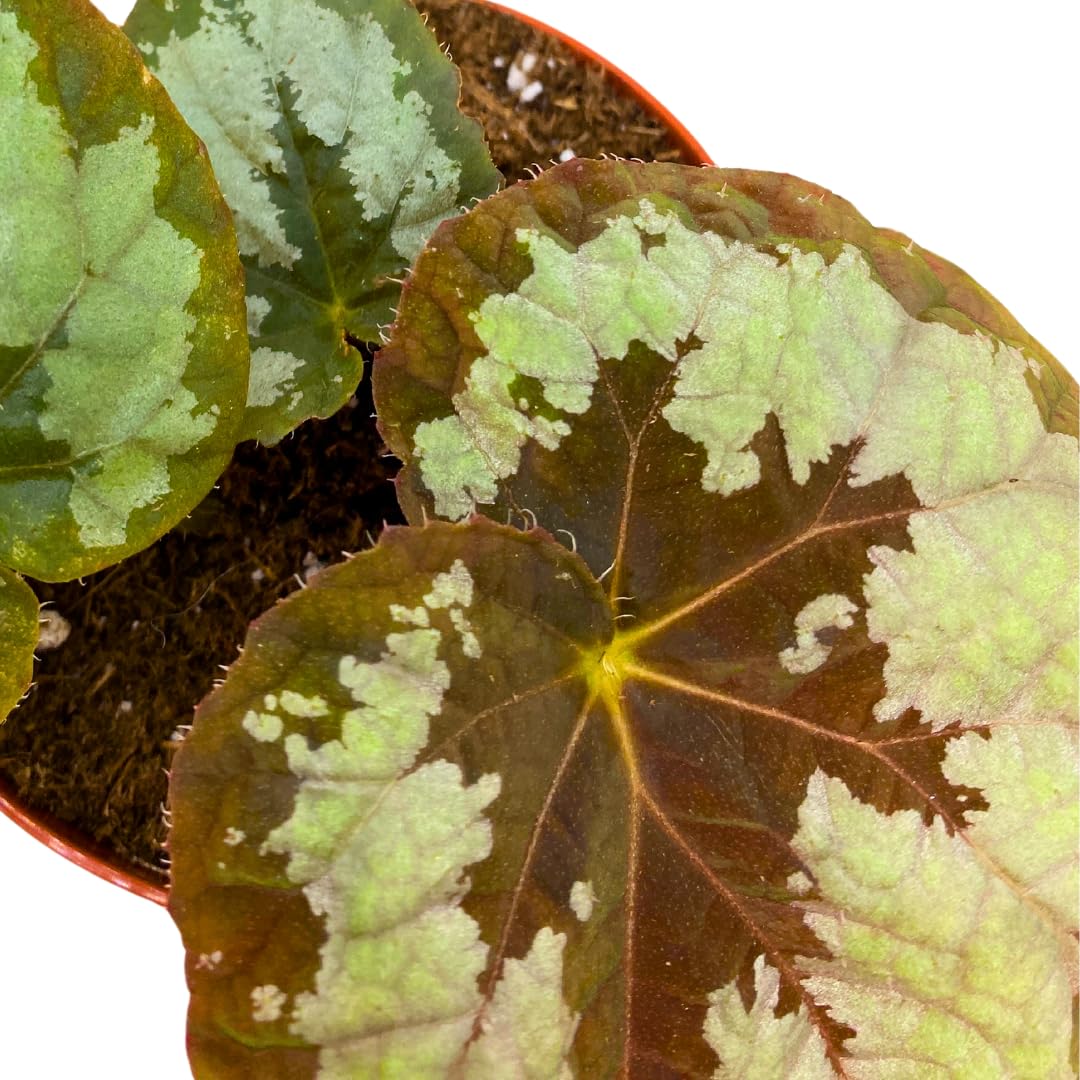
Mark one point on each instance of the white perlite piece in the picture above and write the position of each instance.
(809, 653)
(531, 92)
(517, 78)
(53, 630)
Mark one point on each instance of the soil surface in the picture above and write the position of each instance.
(91, 744)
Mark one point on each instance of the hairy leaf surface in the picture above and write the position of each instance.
(805, 802)
(123, 361)
(332, 810)
(18, 636)
(334, 131)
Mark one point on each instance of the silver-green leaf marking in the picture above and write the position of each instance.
(334, 131)
(106, 325)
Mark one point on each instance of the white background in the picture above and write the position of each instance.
(946, 120)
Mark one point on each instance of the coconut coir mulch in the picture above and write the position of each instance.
(91, 744)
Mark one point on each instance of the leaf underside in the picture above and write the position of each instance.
(334, 131)
(775, 776)
(18, 636)
(123, 362)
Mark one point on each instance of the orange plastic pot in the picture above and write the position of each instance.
(79, 849)
(691, 148)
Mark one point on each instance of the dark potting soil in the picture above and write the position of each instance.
(91, 744)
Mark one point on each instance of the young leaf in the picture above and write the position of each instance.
(18, 636)
(123, 363)
(830, 488)
(333, 128)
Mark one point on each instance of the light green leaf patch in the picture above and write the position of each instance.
(961, 648)
(122, 354)
(382, 868)
(572, 309)
(334, 131)
(149, 419)
(528, 1030)
(18, 636)
(830, 611)
(758, 1045)
(1028, 774)
(823, 346)
(941, 969)
(377, 836)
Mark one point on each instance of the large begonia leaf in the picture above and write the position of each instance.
(18, 636)
(334, 130)
(331, 806)
(775, 777)
(123, 361)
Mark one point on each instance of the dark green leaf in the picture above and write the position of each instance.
(333, 128)
(123, 362)
(18, 636)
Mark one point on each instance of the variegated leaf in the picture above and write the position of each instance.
(777, 778)
(332, 810)
(830, 487)
(123, 361)
(333, 128)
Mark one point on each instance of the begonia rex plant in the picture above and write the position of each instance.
(752, 755)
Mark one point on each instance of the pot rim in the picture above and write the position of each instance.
(691, 148)
(79, 849)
